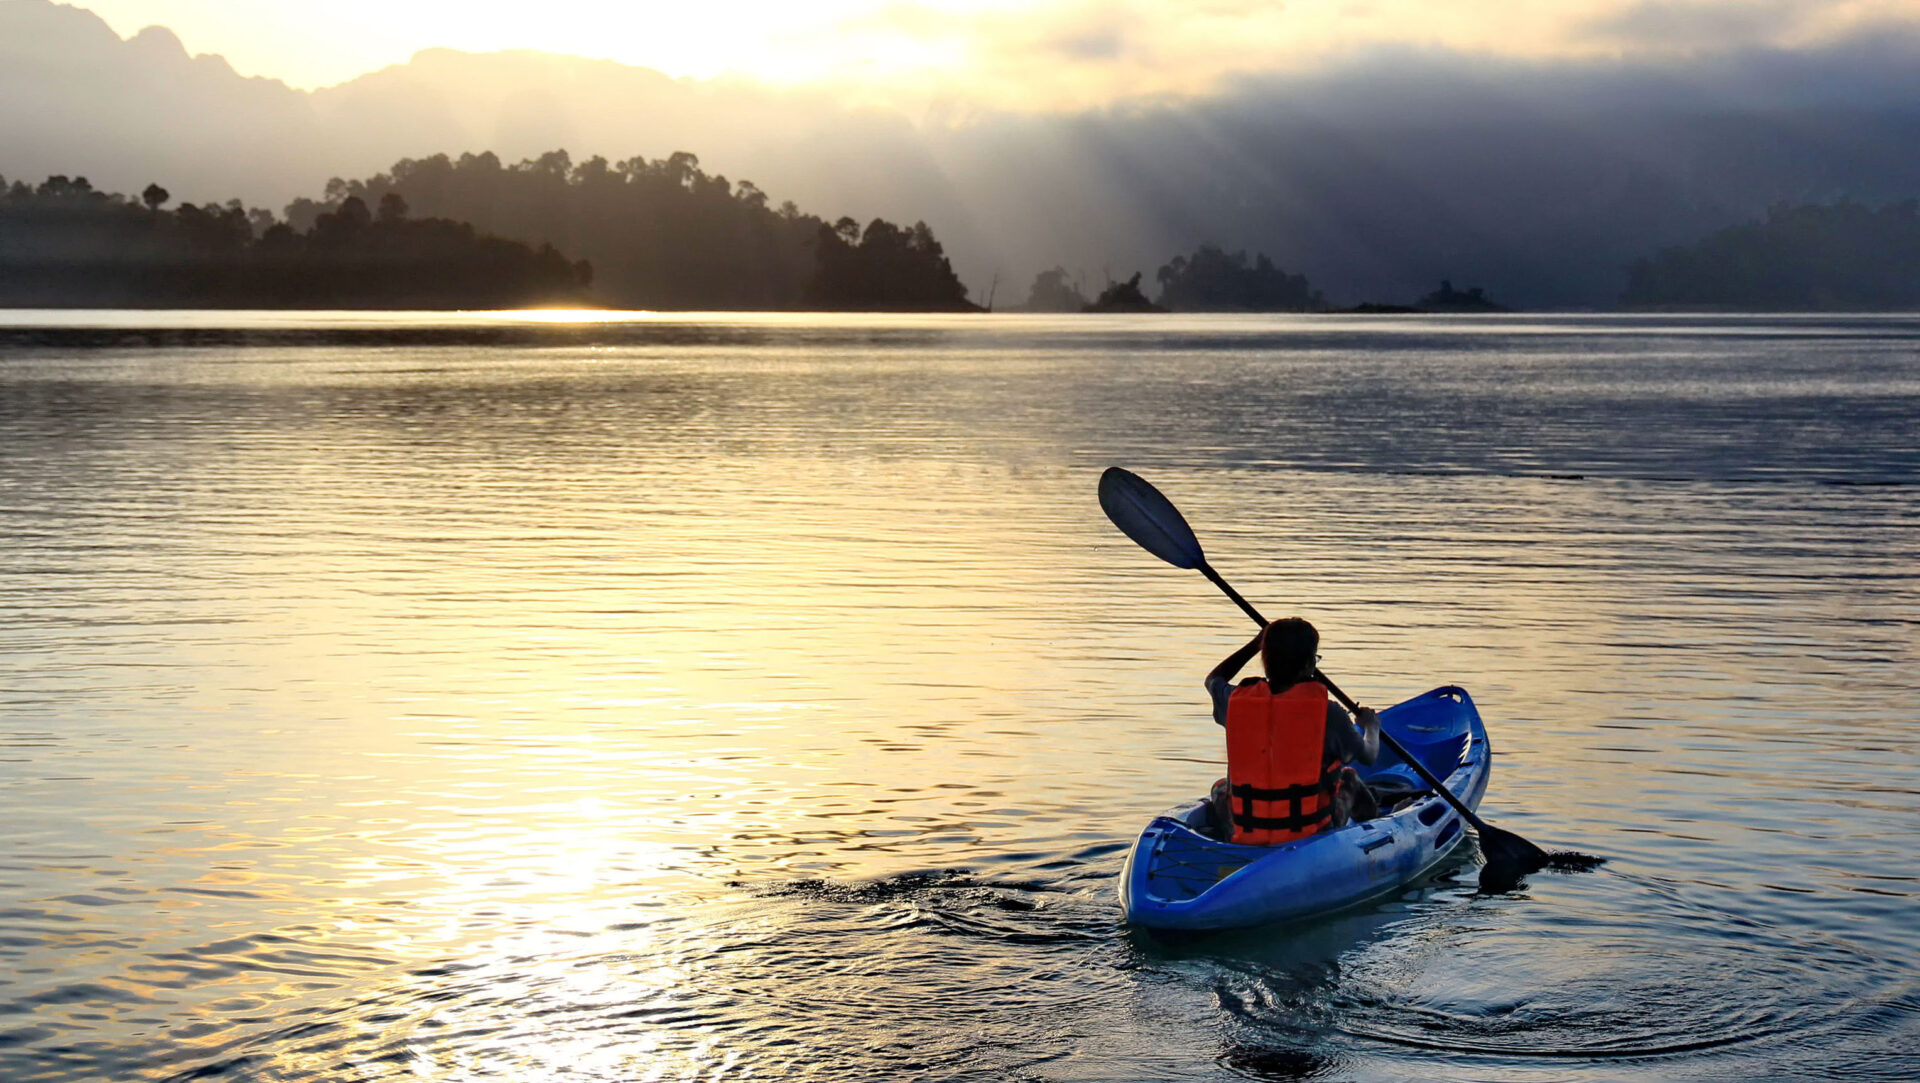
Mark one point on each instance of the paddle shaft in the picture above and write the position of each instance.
(1245, 606)
(1399, 750)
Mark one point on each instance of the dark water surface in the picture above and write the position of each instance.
(394, 698)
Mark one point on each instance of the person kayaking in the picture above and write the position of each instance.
(1288, 744)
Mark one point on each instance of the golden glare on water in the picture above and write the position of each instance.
(574, 315)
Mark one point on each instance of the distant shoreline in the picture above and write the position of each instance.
(126, 318)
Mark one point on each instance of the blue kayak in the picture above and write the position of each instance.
(1177, 877)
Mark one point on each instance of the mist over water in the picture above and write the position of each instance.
(745, 696)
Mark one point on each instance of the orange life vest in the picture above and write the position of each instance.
(1282, 780)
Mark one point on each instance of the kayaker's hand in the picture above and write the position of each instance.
(1369, 722)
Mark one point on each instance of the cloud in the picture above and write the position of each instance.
(1063, 55)
(967, 57)
(1099, 45)
(1694, 25)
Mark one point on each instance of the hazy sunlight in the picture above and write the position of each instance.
(1054, 54)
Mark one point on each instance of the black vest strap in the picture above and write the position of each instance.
(1285, 793)
(1297, 820)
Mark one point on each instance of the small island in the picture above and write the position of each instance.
(1448, 299)
(1122, 297)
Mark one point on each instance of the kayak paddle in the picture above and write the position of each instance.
(1150, 519)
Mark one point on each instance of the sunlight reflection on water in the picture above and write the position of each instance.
(719, 696)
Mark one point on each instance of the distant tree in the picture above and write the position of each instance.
(682, 167)
(354, 213)
(393, 207)
(1214, 280)
(155, 197)
(1052, 291)
(303, 212)
(339, 228)
(60, 188)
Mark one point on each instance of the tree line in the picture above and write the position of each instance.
(1838, 256)
(1809, 257)
(65, 244)
(666, 234)
(1210, 280)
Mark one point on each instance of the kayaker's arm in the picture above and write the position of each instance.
(1351, 739)
(1220, 681)
(1231, 665)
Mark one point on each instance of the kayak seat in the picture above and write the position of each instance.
(1432, 727)
(1393, 789)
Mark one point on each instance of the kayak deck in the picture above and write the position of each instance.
(1179, 877)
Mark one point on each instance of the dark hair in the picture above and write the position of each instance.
(1290, 646)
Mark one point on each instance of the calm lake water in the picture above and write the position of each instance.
(751, 697)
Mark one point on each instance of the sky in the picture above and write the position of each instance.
(1037, 56)
(1534, 149)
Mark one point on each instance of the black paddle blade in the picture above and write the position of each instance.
(1149, 518)
(1510, 857)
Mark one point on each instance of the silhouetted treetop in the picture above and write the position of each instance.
(881, 267)
(1212, 280)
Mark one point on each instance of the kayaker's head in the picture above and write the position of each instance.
(1290, 651)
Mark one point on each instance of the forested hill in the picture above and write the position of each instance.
(63, 245)
(1840, 256)
(664, 234)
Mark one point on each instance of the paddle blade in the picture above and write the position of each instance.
(1149, 518)
(1510, 857)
